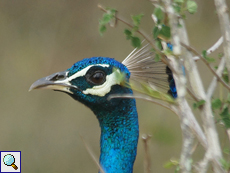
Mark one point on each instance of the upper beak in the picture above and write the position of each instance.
(57, 81)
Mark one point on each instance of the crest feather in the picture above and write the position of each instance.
(143, 68)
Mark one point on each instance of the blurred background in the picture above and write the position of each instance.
(40, 37)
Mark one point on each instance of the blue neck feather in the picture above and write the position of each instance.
(119, 134)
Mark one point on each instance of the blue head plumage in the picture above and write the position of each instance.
(91, 81)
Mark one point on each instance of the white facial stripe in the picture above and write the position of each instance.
(80, 73)
(102, 90)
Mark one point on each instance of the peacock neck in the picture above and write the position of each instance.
(119, 136)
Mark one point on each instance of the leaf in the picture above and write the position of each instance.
(158, 13)
(225, 164)
(225, 75)
(136, 42)
(225, 117)
(137, 19)
(128, 34)
(165, 31)
(158, 44)
(198, 104)
(156, 32)
(106, 18)
(179, 1)
(169, 165)
(157, 58)
(192, 7)
(177, 169)
(102, 29)
(177, 8)
(216, 104)
(204, 53)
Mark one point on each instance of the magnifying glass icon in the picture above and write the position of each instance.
(9, 160)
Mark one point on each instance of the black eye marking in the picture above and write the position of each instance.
(96, 77)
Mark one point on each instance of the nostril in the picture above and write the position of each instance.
(57, 77)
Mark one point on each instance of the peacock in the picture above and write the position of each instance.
(92, 81)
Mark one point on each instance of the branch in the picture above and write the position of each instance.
(138, 31)
(213, 84)
(222, 11)
(189, 48)
(147, 162)
(146, 98)
(207, 116)
(213, 48)
(202, 166)
(184, 109)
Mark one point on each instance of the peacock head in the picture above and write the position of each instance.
(89, 81)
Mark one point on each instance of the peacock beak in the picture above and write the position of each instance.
(57, 81)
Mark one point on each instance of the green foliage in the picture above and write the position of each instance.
(179, 1)
(162, 31)
(158, 14)
(216, 104)
(198, 104)
(171, 164)
(191, 6)
(204, 53)
(128, 34)
(225, 75)
(158, 43)
(157, 58)
(165, 31)
(226, 151)
(225, 164)
(119, 76)
(137, 19)
(107, 17)
(225, 117)
(136, 42)
(181, 6)
(156, 32)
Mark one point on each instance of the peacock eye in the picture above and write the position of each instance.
(97, 78)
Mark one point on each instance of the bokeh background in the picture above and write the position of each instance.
(40, 37)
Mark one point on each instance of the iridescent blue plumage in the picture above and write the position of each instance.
(171, 81)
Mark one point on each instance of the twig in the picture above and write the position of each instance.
(147, 98)
(163, 59)
(222, 12)
(202, 166)
(207, 64)
(192, 95)
(213, 84)
(92, 155)
(213, 48)
(147, 161)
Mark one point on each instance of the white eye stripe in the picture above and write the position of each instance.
(102, 90)
(80, 73)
